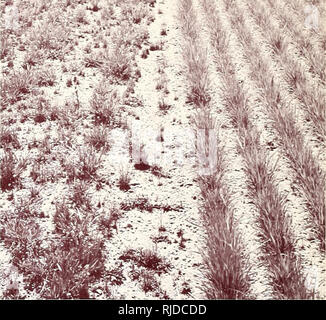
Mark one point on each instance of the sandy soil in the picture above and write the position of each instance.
(58, 57)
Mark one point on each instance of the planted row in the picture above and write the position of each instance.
(309, 177)
(312, 97)
(226, 278)
(273, 225)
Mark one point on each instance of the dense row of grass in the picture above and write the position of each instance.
(227, 268)
(309, 177)
(274, 226)
(310, 95)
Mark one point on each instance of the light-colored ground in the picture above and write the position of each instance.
(172, 227)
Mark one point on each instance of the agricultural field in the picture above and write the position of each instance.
(162, 149)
